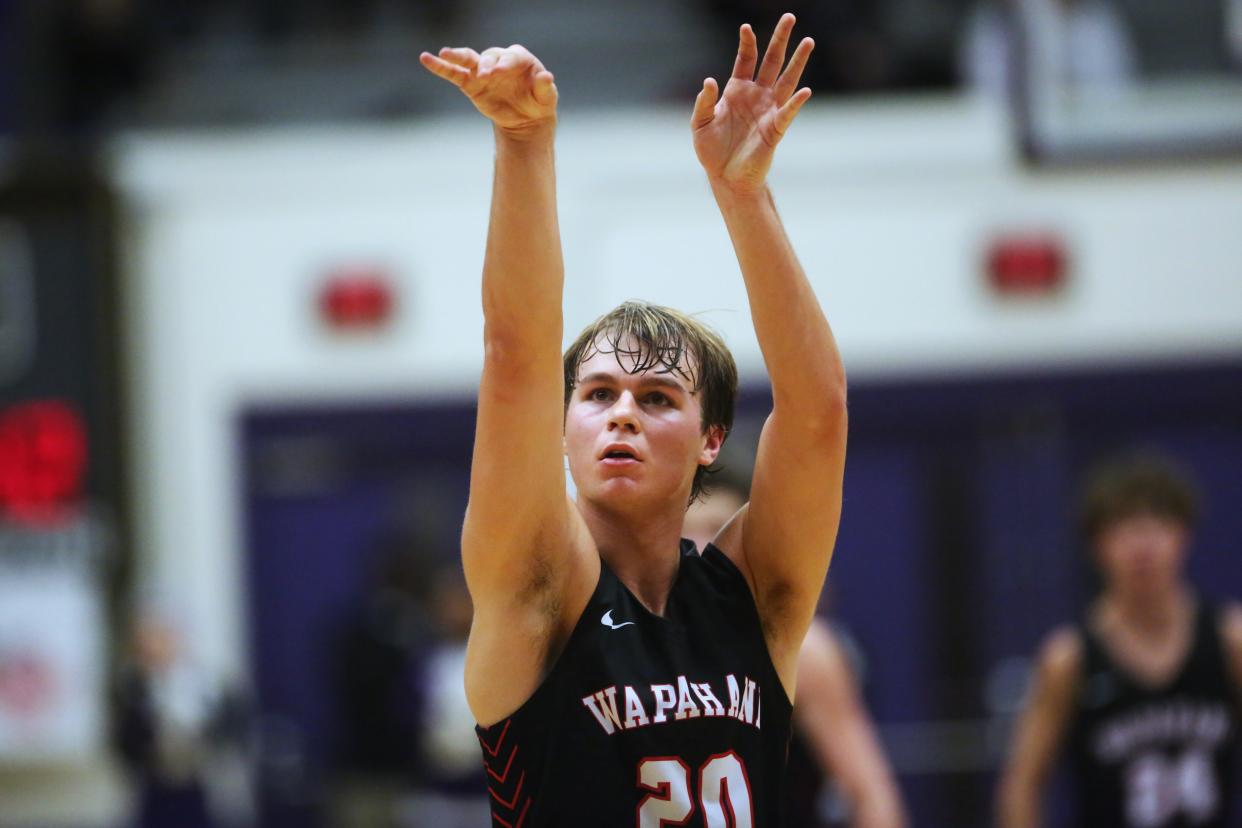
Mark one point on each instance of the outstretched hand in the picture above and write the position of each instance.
(735, 135)
(509, 86)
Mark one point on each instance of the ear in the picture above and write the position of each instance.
(712, 441)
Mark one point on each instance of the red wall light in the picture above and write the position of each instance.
(356, 299)
(1033, 265)
(43, 451)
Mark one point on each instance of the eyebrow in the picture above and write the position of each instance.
(649, 379)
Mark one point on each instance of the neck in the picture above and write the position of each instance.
(642, 551)
(1150, 614)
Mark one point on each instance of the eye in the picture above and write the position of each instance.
(599, 395)
(658, 398)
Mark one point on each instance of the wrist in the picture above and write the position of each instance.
(730, 192)
(536, 132)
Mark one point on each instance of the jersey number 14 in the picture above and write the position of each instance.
(723, 792)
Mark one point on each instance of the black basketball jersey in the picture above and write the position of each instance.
(1157, 757)
(650, 721)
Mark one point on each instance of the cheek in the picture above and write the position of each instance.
(577, 423)
(1171, 548)
(576, 440)
(582, 431)
(681, 440)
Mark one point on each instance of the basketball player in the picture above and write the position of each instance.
(1145, 694)
(617, 680)
(834, 739)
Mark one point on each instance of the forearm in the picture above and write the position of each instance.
(865, 777)
(1019, 804)
(879, 807)
(799, 350)
(523, 271)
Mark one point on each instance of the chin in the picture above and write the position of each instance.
(623, 494)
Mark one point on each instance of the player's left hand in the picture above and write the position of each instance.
(735, 135)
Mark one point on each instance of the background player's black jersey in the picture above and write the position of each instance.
(650, 721)
(1157, 757)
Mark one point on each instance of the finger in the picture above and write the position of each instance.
(705, 104)
(774, 57)
(466, 58)
(788, 80)
(455, 75)
(545, 88)
(488, 61)
(747, 53)
(507, 61)
(789, 110)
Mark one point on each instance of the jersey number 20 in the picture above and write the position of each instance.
(724, 792)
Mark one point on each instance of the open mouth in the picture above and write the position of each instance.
(619, 453)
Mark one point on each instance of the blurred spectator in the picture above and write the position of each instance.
(851, 53)
(8, 65)
(375, 655)
(408, 753)
(837, 773)
(79, 58)
(452, 791)
(280, 18)
(1233, 33)
(1070, 43)
(181, 734)
(1144, 696)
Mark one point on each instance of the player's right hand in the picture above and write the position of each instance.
(509, 86)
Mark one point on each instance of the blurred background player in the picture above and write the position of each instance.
(181, 733)
(837, 773)
(408, 756)
(1145, 694)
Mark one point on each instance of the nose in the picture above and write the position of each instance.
(623, 415)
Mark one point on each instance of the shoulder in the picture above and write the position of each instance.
(821, 661)
(1230, 619)
(1060, 657)
(819, 652)
(729, 541)
(1230, 616)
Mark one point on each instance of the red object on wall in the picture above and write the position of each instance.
(26, 683)
(1027, 265)
(43, 454)
(357, 299)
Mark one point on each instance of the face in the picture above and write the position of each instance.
(155, 643)
(1142, 554)
(634, 441)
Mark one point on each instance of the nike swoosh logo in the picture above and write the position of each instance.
(606, 620)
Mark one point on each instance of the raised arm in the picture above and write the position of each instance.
(516, 548)
(838, 730)
(1039, 731)
(783, 540)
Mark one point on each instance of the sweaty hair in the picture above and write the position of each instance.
(646, 337)
(1137, 484)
